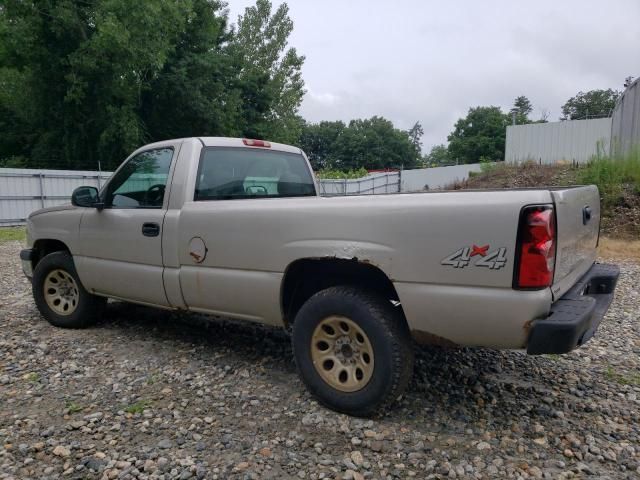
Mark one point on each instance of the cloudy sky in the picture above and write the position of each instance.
(430, 61)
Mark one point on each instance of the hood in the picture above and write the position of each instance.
(57, 208)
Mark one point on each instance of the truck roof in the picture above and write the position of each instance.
(239, 142)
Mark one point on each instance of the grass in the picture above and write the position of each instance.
(32, 377)
(73, 407)
(633, 379)
(488, 167)
(611, 173)
(11, 234)
(138, 407)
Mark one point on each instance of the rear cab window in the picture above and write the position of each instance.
(230, 173)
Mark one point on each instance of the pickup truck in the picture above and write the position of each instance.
(236, 228)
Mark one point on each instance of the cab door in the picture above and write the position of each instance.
(121, 245)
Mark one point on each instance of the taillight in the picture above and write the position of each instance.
(536, 248)
(249, 142)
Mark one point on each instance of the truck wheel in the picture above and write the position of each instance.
(353, 350)
(59, 295)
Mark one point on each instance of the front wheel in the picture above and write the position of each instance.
(353, 350)
(59, 295)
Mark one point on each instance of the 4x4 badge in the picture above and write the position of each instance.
(494, 260)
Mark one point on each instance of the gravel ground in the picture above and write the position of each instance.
(151, 395)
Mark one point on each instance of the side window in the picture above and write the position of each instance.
(141, 182)
(236, 173)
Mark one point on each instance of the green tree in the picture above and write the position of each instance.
(318, 140)
(438, 156)
(594, 103)
(270, 73)
(83, 67)
(372, 143)
(522, 107)
(196, 93)
(480, 135)
(89, 81)
(415, 135)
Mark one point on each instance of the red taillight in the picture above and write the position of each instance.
(256, 143)
(536, 249)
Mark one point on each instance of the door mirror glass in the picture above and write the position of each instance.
(85, 197)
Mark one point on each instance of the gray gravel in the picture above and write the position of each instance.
(151, 395)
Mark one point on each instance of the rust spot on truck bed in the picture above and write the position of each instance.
(426, 338)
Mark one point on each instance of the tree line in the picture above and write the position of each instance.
(481, 135)
(84, 83)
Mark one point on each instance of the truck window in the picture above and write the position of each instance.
(235, 173)
(141, 182)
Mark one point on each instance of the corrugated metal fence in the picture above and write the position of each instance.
(625, 128)
(372, 184)
(22, 190)
(571, 141)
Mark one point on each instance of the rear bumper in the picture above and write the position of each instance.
(575, 317)
(26, 257)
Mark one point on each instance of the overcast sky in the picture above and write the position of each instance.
(430, 61)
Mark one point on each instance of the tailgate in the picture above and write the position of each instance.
(578, 224)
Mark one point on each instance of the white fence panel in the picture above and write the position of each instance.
(435, 178)
(370, 185)
(625, 128)
(24, 190)
(571, 141)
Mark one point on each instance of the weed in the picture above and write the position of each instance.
(487, 166)
(611, 173)
(138, 407)
(73, 407)
(32, 377)
(633, 379)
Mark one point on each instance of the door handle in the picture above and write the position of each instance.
(150, 229)
(586, 214)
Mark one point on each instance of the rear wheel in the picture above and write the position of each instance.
(353, 350)
(59, 294)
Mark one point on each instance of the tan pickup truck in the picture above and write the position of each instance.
(236, 228)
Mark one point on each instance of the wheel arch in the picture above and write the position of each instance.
(307, 276)
(44, 246)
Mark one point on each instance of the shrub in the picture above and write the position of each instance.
(487, 166)
(15, 161)
(339, 174)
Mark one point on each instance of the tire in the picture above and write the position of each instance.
(374, 327)
(60, 296)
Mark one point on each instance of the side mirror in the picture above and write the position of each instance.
(86, 197)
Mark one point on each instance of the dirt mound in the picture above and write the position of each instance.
(620, 212)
